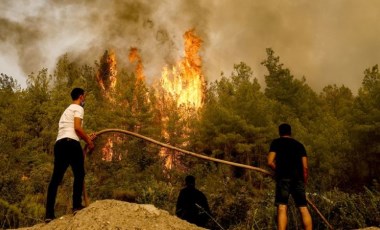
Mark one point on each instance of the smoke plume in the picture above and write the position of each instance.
(328, 42)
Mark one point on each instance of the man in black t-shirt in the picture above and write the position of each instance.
(287, 157)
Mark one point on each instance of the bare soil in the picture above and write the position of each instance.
(117, 215)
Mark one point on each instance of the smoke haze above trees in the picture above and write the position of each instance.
(327, 42)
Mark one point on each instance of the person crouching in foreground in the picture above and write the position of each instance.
(192, 204)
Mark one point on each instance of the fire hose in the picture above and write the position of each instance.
(209, 159)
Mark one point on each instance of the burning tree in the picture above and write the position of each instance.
(177, 95)
(185, 82)
(107, 72)
(181, 87)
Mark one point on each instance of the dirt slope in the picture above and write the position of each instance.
(113, 214)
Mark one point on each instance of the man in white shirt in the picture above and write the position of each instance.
(68, 152)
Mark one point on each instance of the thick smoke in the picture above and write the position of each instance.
(85, 29)
(328, 42)
(24, 39)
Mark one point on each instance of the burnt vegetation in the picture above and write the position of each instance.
(236, 122)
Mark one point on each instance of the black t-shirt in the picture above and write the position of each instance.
(289, 153)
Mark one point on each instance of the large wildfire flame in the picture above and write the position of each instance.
(184, 84)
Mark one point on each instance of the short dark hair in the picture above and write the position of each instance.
(190, 180)
(76, 92)
(285, 129)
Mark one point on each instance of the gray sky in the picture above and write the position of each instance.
(327, 41)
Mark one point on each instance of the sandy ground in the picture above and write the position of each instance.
(117, 215)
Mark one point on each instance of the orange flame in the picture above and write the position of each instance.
(107, 151)
(140, 94)
(107, 72)
(134, 56)
(185, 83)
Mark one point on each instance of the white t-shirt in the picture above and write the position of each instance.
(66, 123)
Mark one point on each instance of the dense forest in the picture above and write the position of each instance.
(237, 121)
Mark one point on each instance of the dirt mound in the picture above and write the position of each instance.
(113, 214)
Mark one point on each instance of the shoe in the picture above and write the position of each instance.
(77, 209)
(48, 219)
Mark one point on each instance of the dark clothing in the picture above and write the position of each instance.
(66, 152)
(289, 170)
(289, 153)
(285, 187)
(187, 209)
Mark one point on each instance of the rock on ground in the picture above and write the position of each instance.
(118, 215)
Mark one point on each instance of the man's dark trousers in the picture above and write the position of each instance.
(66, 152)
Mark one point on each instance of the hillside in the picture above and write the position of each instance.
(113, 214)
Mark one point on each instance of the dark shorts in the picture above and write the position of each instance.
(286, 187)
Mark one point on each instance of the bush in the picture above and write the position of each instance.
(10, 215)
(349, 211)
